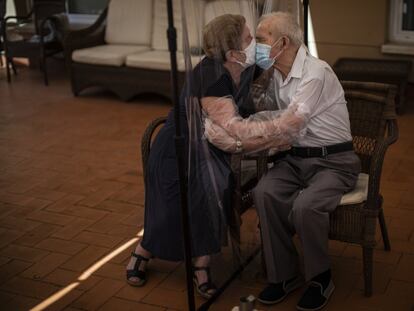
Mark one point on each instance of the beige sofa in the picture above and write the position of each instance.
(126, 50)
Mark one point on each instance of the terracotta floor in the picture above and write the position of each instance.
(71, 205)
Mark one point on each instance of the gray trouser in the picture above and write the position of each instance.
(296, 196)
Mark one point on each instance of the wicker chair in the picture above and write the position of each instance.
(146, 141)
(31, 36)
(242, 199)
(3, 11)
(374, 128)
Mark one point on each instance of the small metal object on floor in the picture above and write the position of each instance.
(246, 304)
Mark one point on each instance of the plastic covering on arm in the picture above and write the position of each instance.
(263, 130)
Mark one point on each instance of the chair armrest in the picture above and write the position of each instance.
(147, 139)
(8, 18)
(261, 159)
(42, 34)
(16, 17)
(235, 163)
(377, 162)
(96, 26)
(392, 131)
(241, 193)
(86, 37)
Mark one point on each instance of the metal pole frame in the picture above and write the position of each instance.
(180, 154)
(305, 22)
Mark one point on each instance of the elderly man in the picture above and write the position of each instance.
(307, 182)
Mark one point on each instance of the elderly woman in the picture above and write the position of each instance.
(222, 78)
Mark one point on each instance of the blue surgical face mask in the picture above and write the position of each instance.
(263, 59)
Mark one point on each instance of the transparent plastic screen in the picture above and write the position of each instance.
(230, 112)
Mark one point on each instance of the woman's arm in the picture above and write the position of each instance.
(222, 140)
(223, 112)
(263, 130)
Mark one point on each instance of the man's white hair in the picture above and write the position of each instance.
(283, 24)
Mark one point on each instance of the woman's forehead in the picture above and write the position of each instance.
(246, 31)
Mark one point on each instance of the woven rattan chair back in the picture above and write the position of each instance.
(370, 106)
(367, 126)
(146, 141)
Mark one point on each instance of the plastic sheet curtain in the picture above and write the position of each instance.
(226, 103)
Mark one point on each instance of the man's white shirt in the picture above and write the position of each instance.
(312, 84)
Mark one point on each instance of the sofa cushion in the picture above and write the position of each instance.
(108, 54)
(194, 21)
(129, 22)
(219, 7)
(158, 60)
(360, 192)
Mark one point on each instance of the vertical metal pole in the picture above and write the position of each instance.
(305, 21)
(180, 154)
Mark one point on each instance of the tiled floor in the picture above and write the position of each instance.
(71, 205)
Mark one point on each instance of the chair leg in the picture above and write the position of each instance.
(44, 68)
(384, 230)
(234, 232)
(8, 63)
(368, 261)
(262, 255)
(13, 67)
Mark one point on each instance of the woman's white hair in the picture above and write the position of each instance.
(283, 24)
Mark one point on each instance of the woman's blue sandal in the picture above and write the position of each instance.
(207, 289)
(136, 273)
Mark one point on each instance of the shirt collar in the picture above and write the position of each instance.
(297, 67)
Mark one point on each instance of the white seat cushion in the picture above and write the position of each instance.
(360, 192)
(158, 60)
(129, 22)
(108, 54)
(194, 21)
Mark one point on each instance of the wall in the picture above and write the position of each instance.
(22, 7)
(10, 8)
(78, 6)
(351, 28)
(89, 7)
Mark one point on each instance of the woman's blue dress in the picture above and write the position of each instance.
(162, 224)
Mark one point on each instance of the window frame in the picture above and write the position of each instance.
(396, 33)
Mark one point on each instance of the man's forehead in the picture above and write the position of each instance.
(263, 30)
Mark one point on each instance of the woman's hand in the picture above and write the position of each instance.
(219, 109)
(290, 124)
(219, 137)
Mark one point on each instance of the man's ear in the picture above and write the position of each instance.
(285, 42)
